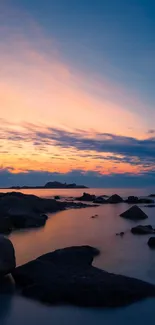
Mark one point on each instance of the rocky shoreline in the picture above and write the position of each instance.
(18, 210)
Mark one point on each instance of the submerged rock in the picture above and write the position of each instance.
(67, 276)
(114, 199)
(87, 197)
(134, 213)
(120, 233)
(151, 242)
(143, 230)
(7, 257)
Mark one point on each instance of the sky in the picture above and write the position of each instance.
(77, 100)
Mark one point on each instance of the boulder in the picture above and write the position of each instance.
(143, 230)
(57, 197)
(67, 276)
(152, 195)
(7, 256)
(132, 199)
(114, 199)
(145, 200)
(5, 225)
(99, 200)
(87, 197)
(151, 242)
(150, 206)
(134, 213)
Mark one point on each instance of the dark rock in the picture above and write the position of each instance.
(99, 200)
(25, 211)
(57, 197)
(87, 197)
(67, 276)
(134, 213)
(143, 230)
(5, 225)
(150, 206)
(136, 200)
(145, 200)
(132, 199)
(152, 195)
(114, 199)
(120, 233)
(7, 256)
(151, 242)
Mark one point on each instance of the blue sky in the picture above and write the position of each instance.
(85, 70)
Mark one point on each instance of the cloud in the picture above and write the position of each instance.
(103, 147)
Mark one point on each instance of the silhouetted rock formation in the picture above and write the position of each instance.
(132, 199)
(143, 230)
(136, 200)
(67, 276)
(134, 213)
(87, 197)
(51, 185)
(7, 257)
(99, 200)
(151, 242)
(18, 210)
(152, 195)
(115, 199)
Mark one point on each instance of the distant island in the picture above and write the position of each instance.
(50, 185)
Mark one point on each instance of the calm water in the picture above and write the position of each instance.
(129, 255)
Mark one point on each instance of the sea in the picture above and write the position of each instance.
(128, 255)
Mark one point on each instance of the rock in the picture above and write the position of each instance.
(151, 242)
(28, 220)
(132, 199)
(134, 213)
(135, 199)
(152, 195)
(7, 256)
(99, 200)
(87, 197)
(57, 197)
(145, 200)
(120, 233)
(5, 225)
(114, 199)
(142, 230)
(25, 211)
(150, 206)
(67, 276)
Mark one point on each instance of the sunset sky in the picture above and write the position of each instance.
(77, 92)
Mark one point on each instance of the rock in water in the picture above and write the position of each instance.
(134, 213)
(151, 242)
(99, 200)
(114, 199)
(67, 276)
(142, 230)
(7, 256)
(87, 197)
(132, 199)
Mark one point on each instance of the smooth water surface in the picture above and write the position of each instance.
(129, 255)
